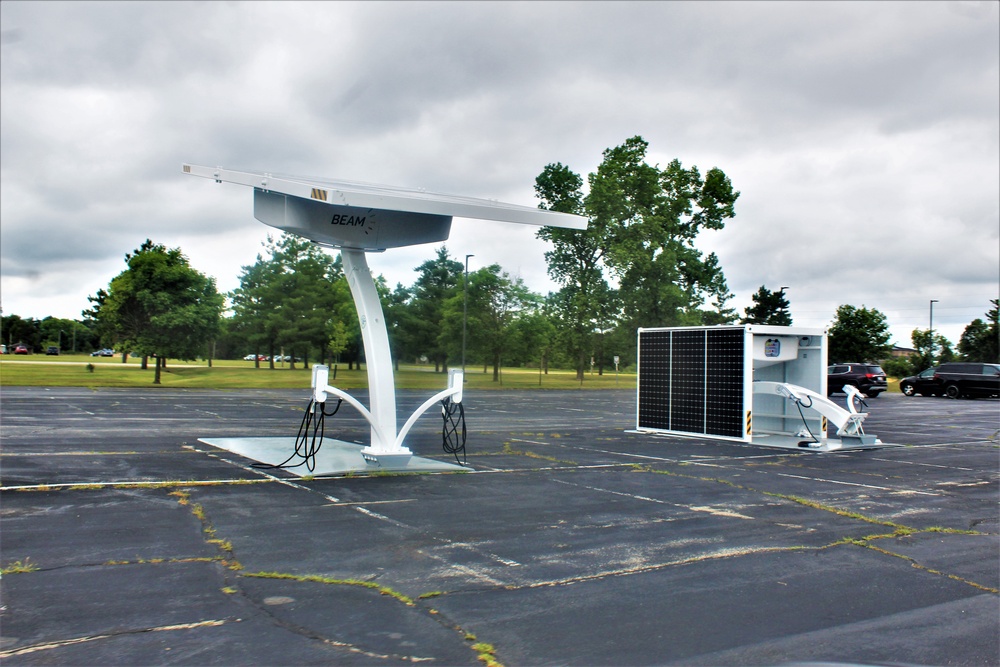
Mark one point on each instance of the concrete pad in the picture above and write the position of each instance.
(332, 457)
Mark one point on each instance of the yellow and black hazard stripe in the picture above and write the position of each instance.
(749, 422)
(320, 194)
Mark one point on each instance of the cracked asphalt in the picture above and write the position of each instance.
(125, 541)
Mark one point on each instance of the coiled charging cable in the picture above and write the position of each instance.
(453, 429)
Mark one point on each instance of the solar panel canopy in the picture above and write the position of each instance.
(346, 214)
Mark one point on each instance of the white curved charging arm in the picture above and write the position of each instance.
(848, 422)
(321, 387)
(454, 390)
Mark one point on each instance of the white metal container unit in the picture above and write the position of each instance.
(749, 383)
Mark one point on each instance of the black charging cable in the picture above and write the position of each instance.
(798, 404)
(308, 440)
(453, 430)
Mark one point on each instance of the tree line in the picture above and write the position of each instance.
(635, 265)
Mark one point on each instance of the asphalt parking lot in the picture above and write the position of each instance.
(125, 541)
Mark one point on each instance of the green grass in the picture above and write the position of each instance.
(71, 371)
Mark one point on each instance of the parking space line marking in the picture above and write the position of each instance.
(867, 486)
(705, 509)
(928, 465)
(371, 502)
(131, 484)
(80, 640)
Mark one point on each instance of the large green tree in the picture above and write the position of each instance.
(17, 330)
(931, 349)
(768, 308)
(643, 222)
(307, 297)
(496, 301)
(650, 219)
(161, 305)
(575, 262)
(253, 303)
(981, 339)
(291, 299)
(438, 280)
(858, 335)
(400, 322)
(68, 335)
(101, 330)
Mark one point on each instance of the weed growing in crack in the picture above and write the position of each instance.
(19, 567)
(225, 546)
(486, 654)
(427, 596)
(383, 590)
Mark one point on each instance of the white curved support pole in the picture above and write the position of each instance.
(386, 448)
(378, 360)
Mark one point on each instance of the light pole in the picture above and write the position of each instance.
(931, 337)
(465, 308)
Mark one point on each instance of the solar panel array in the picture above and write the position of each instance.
(691, 381)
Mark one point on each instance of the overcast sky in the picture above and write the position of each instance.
(862, 136)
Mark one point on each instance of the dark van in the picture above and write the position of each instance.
(970, 380)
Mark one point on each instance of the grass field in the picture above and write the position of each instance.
(84, 371)
(70, 370)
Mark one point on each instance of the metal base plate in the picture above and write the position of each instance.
(335, 457)
(781, 441)
(803, 444)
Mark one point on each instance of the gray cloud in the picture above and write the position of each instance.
(863, 136)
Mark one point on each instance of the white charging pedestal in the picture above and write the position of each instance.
(359, 218)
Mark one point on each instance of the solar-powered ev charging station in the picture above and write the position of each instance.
(762, 385)
(357, 219)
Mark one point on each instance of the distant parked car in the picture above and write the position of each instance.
(21, 349)
(922, 383)
(250, 357)
(969, 380)
(869, 379)
(106, 352)
(52, 350)
(3, 349)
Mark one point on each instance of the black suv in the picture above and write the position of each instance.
(922, 383)
(868, 378)
(957, 379)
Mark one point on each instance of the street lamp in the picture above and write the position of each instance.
(465, 308)
(933, 301)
